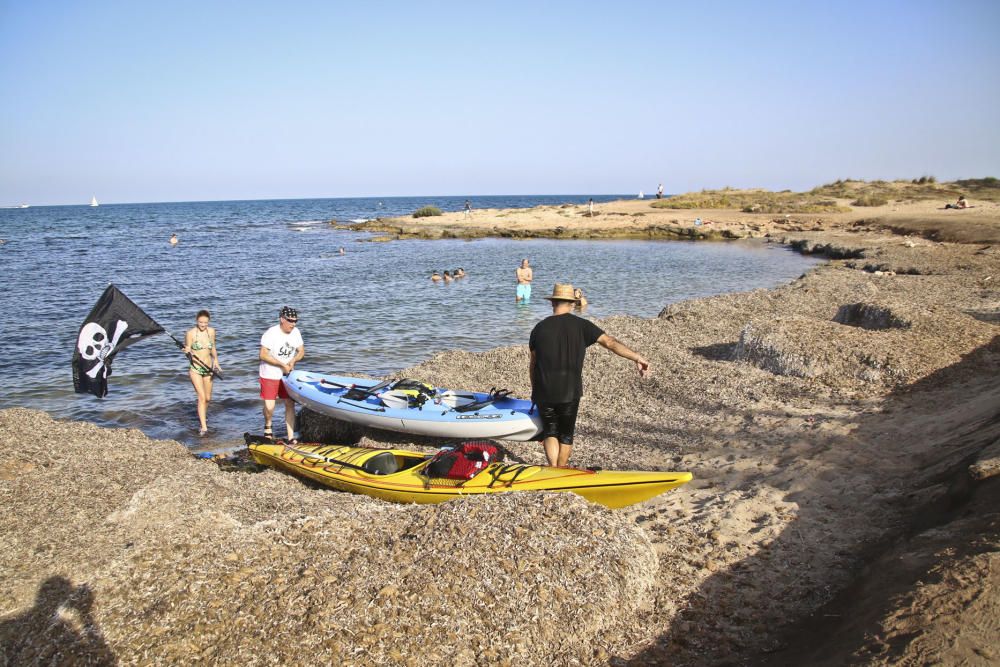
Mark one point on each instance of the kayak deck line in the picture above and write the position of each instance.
(344, 468)
(413, 407)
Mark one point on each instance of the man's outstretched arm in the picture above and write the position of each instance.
(622, 350)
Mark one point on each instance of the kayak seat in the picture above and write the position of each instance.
(383, 463)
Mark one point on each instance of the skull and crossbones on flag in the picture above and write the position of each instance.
(113, 324)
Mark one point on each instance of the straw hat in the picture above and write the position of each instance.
(562, 292)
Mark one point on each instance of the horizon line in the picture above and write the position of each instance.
(220, 201)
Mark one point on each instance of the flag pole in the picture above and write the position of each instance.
(195, 361)
(113, 324)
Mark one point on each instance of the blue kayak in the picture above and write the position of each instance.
(409, 406)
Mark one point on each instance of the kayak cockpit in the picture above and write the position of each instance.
(388, 463)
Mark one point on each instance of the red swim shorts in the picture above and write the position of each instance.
(272, 389)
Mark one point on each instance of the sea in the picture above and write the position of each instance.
(371, 310)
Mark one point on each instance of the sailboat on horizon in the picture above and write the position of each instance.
(93, 201)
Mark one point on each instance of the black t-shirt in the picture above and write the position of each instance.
(560, 343)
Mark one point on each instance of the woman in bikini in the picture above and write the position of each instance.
(199, 345)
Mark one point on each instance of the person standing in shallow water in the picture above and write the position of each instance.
(281, 347)
(524, 277)
(199, 345)
(558, 345)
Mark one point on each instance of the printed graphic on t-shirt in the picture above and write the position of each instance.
(286, 352)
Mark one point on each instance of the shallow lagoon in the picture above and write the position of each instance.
(372, 310)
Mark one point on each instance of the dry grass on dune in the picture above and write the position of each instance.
(836, 197)
(752, 201)
(983, 189)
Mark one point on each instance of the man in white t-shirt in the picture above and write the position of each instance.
(280, 347)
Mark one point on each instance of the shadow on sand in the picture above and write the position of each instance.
(717, 624)
(58, 630)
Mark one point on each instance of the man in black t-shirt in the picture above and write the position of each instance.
(558, 345)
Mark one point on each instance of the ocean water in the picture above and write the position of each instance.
(372, 310)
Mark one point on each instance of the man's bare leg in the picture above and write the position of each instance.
(290, 417)
(564, 452)
(268, 415)
(551, 446)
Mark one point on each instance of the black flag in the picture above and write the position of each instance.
(113, 324)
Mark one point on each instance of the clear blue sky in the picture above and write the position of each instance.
(178, 101)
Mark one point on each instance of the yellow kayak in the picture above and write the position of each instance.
(401, 476)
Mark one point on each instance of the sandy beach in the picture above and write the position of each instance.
(843, 432)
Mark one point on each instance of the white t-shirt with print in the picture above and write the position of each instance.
(282, 347)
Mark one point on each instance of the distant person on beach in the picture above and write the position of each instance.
(524, 278)
(173, 239)
(436, 277)
(468, 209)
(580, 301)
(558, 345)
(659, 191)
(961, 203)
(590, 206)
(199, 345)
(447, 276)
(281, 347)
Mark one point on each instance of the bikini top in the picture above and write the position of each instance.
(195, 345)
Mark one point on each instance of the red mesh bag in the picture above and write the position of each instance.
(463, 462)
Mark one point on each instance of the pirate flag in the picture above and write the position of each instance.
(113, 324)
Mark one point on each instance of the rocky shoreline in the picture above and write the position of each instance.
(841, 430)
(645, 220)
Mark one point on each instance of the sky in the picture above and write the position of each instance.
(190, 101)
